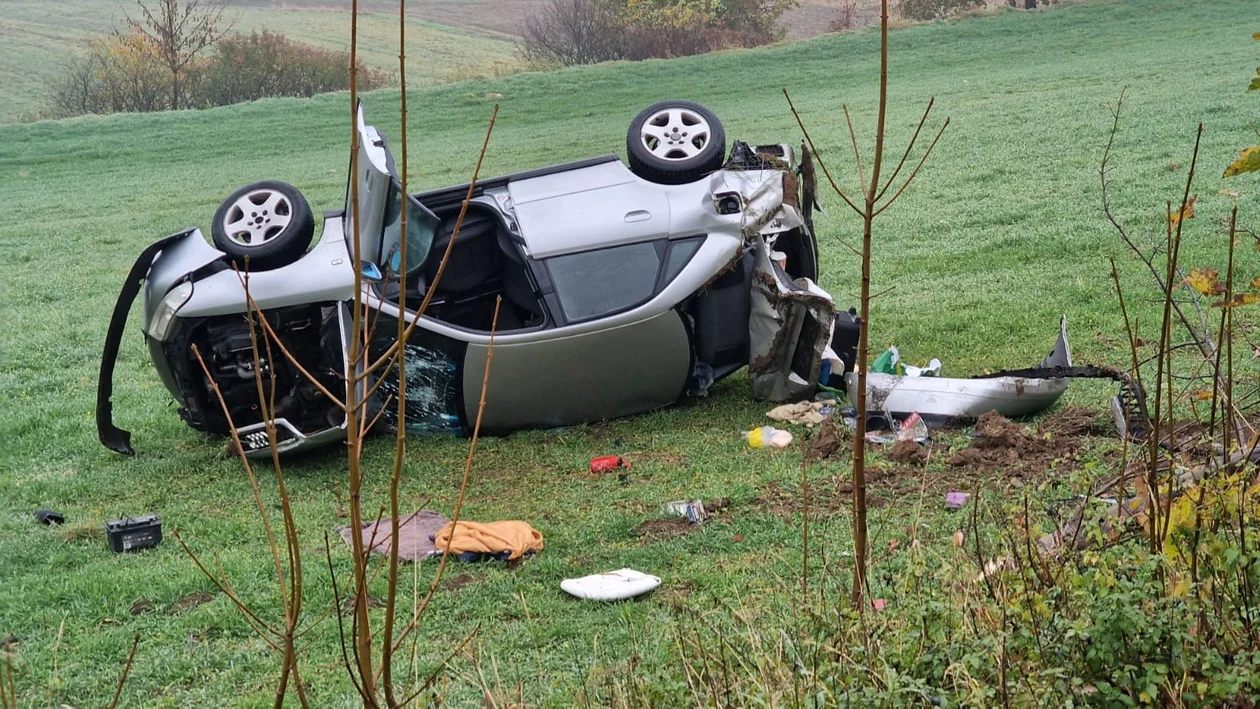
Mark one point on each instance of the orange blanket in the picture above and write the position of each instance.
(511, 536)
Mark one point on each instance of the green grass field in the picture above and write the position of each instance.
(1001, 235)
(36, 39)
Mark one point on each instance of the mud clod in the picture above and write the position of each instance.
(1001, 445)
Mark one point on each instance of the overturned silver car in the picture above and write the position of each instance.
(624, 288)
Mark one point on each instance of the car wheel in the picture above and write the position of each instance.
(269, 222)
(673, 142)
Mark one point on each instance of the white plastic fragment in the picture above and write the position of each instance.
(611, 586)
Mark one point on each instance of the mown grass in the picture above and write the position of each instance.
(39, 37)
(1002, 234)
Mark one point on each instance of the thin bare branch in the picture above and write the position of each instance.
(909, 147)
(463, 486)
(434, 675)
(914, 172)
(135, 642)
(818, 156)
(341, 628)
(857, 154)
(226, 591)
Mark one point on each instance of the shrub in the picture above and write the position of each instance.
(570, 32)
(123, 74)
(936, 9)
(250, 67)
(116, 74)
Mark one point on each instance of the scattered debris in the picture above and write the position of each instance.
(954, 501)
(608, 463)
(768, 437)
(692, 511)
(889, 362)
(611, 586)
(415, 535)
(912, 428)
(879, 604)
(134, 533)
(995, 566)
(1012, 392)
(804, 413)
(50, 517)
(478, 541)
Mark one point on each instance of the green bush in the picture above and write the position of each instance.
(122, 74)
(249, 67)
(924, 10)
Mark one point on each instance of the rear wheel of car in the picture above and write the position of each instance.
(269, 222)
(673, 142)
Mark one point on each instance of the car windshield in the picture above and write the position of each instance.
(421, 227)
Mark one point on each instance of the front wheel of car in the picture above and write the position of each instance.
(269, 223)
(674, 142)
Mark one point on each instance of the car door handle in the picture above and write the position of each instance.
(638, 215)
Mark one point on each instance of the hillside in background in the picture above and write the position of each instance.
(448, 40)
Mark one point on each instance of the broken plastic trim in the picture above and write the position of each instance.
(112, 437)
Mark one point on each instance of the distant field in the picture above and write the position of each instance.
(38, 36)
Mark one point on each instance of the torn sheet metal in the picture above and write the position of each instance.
(947, 398)
(789, 328)
(768, 199)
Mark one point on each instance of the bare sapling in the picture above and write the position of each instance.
(869, 206)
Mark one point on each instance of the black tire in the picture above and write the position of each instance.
(683, 157)
(258, 211)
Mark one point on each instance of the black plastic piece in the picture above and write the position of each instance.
(134, 533)
(114, 438)
(50, 517)
(844, 342)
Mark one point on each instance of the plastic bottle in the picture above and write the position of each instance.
(768, 437)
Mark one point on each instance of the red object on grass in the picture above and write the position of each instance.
(608, 463)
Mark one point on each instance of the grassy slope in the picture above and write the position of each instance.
(1002, 235)
(36, 38)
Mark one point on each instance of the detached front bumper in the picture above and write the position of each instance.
(112, 437)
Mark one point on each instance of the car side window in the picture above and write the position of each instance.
(597, 283)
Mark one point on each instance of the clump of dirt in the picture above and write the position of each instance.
(1071, 421)
(908, 453)
(827, 443)
(191, 601)
(1003, 445)
(664, 528)
(458, 582)
(348, 604)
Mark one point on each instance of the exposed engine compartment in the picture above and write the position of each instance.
(311, 333)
